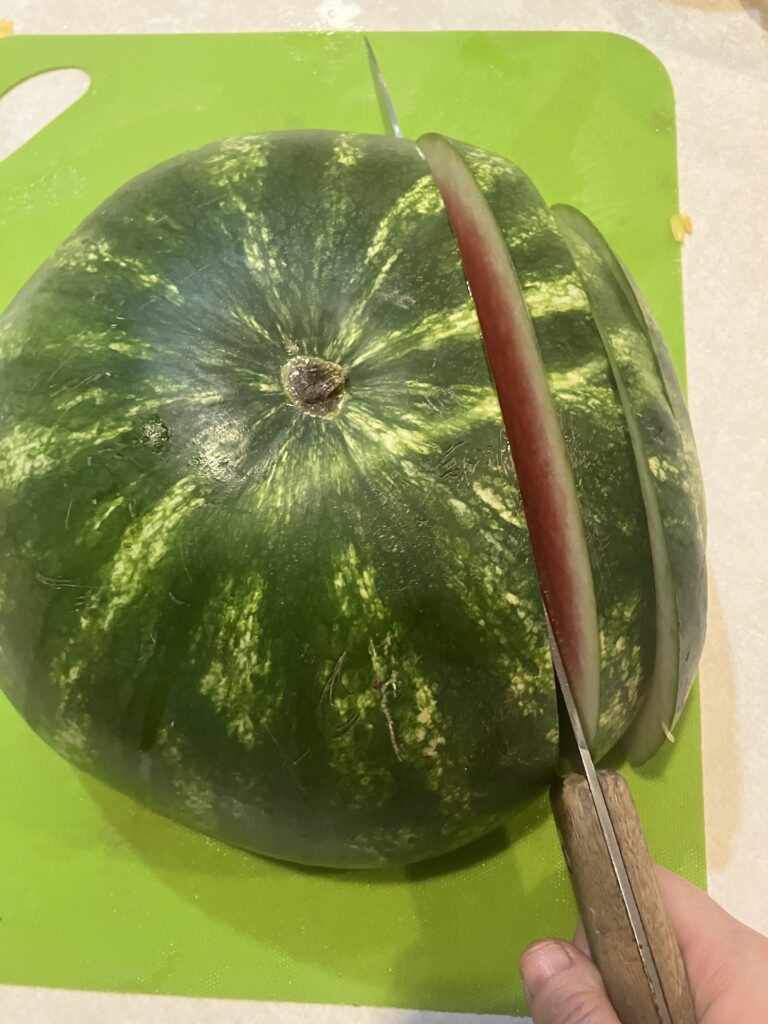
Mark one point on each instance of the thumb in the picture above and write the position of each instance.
(563, 986)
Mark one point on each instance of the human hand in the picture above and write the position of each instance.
(727, 965)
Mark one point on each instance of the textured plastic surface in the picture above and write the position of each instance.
(96, 892)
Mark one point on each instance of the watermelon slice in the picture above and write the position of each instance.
(552, 375)
(669, 476)
(536, 441)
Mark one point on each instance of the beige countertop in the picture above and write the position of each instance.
(716, 52)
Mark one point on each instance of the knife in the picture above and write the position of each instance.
(627, 927)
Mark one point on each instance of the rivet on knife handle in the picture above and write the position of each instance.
(602, 908)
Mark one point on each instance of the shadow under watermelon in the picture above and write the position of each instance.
(443, 934)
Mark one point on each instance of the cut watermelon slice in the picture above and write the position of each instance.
(669, 475)
(547, 485)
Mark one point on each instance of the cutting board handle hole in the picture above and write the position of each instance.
(31, 105)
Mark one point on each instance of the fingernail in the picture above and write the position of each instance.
(541, 962)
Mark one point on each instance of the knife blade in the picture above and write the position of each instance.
(629, 932)
(386, 105)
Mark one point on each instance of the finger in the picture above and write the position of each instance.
(703, 931)
(727, 962)
(723, 956)
(561, 984)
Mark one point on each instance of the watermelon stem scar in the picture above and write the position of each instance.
(316, 386)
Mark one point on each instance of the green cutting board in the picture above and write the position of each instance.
(95, 891)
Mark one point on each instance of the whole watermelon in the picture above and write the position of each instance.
(264, 560)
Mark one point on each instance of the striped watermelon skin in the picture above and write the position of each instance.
(667, 454)
(264, 561)
(598, 444)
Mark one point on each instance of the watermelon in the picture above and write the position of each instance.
(669, 476)
(281, 538)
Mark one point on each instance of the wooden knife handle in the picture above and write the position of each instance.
(602, 911)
